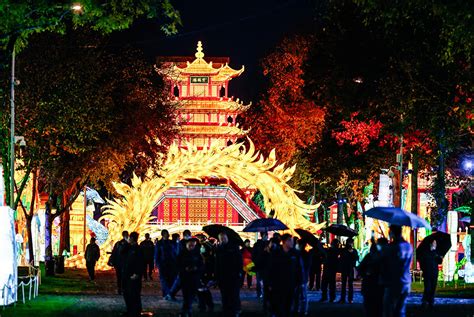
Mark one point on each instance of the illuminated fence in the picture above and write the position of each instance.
(28, 284)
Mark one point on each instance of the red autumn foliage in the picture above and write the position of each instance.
(285, 119)
(358, 133)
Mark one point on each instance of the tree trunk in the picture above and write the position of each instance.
(48, 233)
(396, 189)
(64, 242)
(48, 253)
(440, 183)
(340, 209)
(414, 199)
(31, 254)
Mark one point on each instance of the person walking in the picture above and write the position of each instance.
(396, 260)
(190, 266)
(331, 264)
(206, 302)
(349, 258)
(429, 261)
(92, 255)
(315, 271)
(247, 259)
(258, 253)
(117, 259)
(177, 282)
(369, 269)
(272, 247)
(228, 275)
(165, 259)
(285, 276)
(132, 277)
(301, 299)
(148, 249)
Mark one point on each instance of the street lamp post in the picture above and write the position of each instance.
(12, 132)
(76, 8)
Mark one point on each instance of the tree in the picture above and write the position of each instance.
(285, 119)
(376, 68)
(89, 113)
(22, 19)
(431, 68)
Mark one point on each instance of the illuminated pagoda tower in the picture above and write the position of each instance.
(208, 116)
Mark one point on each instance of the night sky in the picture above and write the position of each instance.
(244, 30)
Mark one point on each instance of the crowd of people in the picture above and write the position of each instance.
(285, 268)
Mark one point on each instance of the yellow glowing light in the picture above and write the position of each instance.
(132, 212)
(77, 7)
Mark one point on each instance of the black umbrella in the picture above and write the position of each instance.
(341, 230)
(264, 225)
(443, 243)
(214, 230)
(310, 238)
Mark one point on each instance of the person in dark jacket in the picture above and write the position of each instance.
(301, 299)
(190, 267)
(331, 263)
(258, 253)
(272, 246)
(369, 269)
(117, 259)
(92, 256)
(316, 269)
(148, 249)
(429, 261)
(165, 259)
(285, 275)
(177, 282)
(228, 275)
(207, 277)
(348, 260)
(132, 277)
(396, 260)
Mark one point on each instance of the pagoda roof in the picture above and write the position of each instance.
(177, 70)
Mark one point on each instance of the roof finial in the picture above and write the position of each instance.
(199, 53)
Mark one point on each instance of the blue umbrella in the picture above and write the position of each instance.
(397, 216)
(265, 224)
(466, 219)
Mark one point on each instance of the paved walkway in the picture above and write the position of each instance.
(99, 300)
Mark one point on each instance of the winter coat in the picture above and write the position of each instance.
(228, 263)
(134, 262)
(92, 253)
(148, 249)
(285, 269)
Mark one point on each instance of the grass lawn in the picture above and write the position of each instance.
(448, 290)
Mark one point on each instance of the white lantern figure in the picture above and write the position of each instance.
(449, 262)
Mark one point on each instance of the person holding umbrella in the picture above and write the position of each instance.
(369, 269)
(349, 258)
(229, 265)
(285, 274)
(258, 254)
(396, 278)
(429, 261)
(331, 264)
(430, 253)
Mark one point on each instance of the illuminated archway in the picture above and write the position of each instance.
(132, 211)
